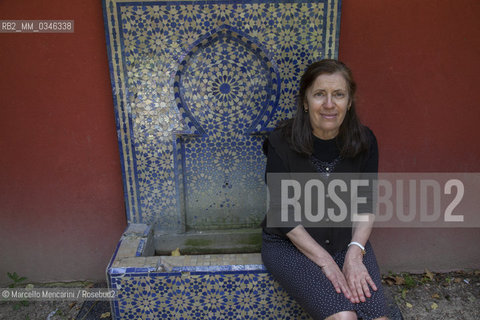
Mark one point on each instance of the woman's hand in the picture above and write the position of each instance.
(357, 277)
(309, 247)
(337, 278)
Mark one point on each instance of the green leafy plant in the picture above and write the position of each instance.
(409, 281)
(17, 281)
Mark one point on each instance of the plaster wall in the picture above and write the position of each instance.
(416, 65)
(61, 198)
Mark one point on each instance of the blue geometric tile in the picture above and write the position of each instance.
(203, 296)
(195, 85)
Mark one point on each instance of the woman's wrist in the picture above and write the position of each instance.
(358, 244)
(354, 252)
(323, 260)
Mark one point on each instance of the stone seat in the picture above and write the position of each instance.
(208, 286)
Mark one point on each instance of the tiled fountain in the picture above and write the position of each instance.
(197, 85)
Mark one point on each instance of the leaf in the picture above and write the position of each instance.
(399, 280)
(434, 306)
(176, 252)
(390, 280)
(458, 280)
(436, 296)
(409, 305)
(105, 315)
(429, 274)
(404, 293)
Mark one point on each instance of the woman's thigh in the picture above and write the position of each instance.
(302, 278)
(308, 285)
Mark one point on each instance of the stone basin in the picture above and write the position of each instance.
(212, 285)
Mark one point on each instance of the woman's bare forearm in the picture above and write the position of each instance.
(308, 246)
(361, 232)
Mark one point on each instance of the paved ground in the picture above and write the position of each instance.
(437, 296)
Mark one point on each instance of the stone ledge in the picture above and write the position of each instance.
(211, 286)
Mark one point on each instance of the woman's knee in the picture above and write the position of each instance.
(344, 315)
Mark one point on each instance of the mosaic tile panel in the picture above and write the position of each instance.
(229, 286)
(214, 295)
(196, 84)
(227, 88)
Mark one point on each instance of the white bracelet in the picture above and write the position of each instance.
(358, 245)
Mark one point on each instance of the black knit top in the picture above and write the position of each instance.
(325, 158)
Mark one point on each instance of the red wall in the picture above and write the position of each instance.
(416, 64)
(61, 200)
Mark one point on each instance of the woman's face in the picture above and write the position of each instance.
(327, 102)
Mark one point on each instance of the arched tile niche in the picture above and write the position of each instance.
(197, 85)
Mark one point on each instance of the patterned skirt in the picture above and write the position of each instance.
(307, 284)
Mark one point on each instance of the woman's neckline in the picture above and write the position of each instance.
(334, 139)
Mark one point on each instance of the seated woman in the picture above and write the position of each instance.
(331, 272)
